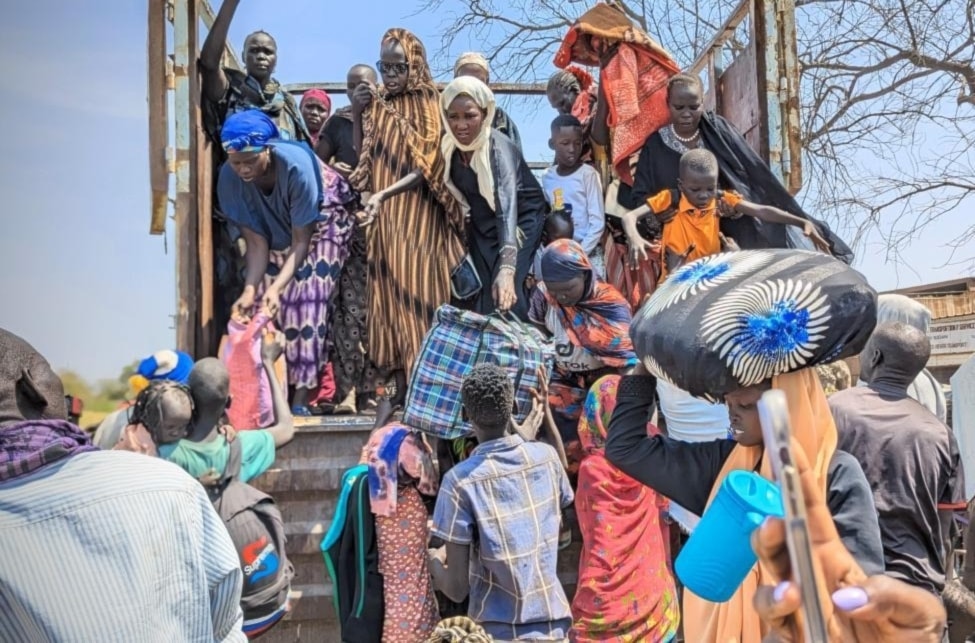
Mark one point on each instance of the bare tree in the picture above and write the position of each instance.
(887, 94)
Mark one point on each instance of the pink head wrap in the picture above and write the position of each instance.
(319, 95)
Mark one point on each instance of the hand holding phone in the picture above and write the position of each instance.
(885, 609)
(773, 411)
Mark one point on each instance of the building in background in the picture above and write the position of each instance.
(952, 332)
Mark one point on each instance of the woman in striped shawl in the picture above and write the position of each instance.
(417, 236)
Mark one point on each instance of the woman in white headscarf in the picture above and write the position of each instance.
(475, 64)
(503, 203)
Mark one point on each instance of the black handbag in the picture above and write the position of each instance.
(465, 283)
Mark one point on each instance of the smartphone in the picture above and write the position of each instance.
(773, 411)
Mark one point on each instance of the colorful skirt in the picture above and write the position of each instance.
(411, 609)
(635, 284)
(307, 301)
(350, 325)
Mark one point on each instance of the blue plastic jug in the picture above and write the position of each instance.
(718, 555)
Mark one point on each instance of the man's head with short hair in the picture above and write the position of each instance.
(210, 388)
(358, 74)
(698, 172)
(29, 387)
(895, 354)
(488, 397)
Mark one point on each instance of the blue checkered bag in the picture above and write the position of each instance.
(458, 341)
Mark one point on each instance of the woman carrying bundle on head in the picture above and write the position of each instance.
(733, 326)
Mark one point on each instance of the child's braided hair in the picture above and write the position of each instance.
(148, 407)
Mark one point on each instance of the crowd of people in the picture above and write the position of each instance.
(357, 225)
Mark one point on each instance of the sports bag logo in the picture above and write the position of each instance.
(260, 560)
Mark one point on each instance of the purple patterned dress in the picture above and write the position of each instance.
(307, 302)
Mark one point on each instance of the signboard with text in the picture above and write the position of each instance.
(952, 336)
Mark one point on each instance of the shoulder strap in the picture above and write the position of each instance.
(674, 201)
(234, 460)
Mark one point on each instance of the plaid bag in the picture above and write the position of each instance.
(457, 342)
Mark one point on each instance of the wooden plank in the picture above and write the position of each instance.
(186, 51)
(158, 101)
(207, 337)
(529, 89)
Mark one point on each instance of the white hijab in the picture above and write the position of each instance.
(480, 146)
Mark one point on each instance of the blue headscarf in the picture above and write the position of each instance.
(248, 131)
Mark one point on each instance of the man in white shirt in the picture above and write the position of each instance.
(101, 545)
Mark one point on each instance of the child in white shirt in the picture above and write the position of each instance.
(574, 186)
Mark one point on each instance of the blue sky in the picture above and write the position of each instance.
(80, 276)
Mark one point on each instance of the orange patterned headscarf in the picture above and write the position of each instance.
(736, 621)
(420, 79)
(634, 79)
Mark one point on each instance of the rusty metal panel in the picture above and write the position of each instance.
(788, 63)
(739, 97)
(158, 100)
(758, 91)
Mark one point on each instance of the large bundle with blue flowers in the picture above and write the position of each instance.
(736, 319)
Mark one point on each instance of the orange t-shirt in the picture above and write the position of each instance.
(690, 225)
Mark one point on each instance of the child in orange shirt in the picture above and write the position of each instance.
(691, 225)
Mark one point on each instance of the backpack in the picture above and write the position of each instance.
(351, 556)
(257, 531)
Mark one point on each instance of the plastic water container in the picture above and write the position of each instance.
(718, 555)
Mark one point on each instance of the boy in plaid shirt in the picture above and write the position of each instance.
(498, 512)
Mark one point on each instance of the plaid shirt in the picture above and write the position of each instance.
(505, 501)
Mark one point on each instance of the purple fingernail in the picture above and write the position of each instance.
(780, 590)
(850, 598)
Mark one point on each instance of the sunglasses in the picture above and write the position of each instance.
(392, 69)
